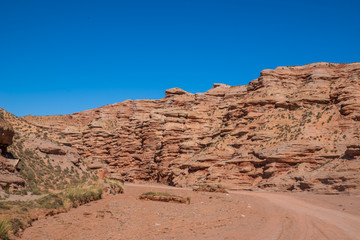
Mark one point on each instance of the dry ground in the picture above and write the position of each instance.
(237, 215)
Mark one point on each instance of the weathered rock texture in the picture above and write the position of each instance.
(32, 161)
(6, 133)
(8, 177)
(293, 128)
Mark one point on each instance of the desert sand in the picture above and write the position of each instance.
(236, 215)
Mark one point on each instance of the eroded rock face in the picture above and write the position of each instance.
(6, 133)
(286, 130)
(353, 150)
(8, 164)
(61, 154)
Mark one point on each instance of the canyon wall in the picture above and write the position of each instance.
(294, 128)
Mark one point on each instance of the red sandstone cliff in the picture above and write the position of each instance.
(293, 128)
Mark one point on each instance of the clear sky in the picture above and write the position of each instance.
(59, 57)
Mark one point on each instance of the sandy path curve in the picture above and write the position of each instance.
(237, 215)
(314, 220)
(349, 223)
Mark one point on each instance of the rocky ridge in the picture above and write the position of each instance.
(293, 128)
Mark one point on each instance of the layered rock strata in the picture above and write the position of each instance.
(294, 128)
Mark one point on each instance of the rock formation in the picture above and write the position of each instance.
(294, 128)
(31, 161)
(6, 134)
(8, 178)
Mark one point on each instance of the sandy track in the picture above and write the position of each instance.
(309, 221)
(324, 219)
(238, 215)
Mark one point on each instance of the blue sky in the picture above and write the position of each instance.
(59, 57)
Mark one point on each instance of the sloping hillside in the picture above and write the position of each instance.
(32, 162)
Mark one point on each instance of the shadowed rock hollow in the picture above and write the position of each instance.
(294, 128)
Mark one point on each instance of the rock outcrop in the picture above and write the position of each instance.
(8, 178)
(294, 128)
(6, 134)
(32, 160)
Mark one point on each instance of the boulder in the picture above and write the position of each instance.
(51, 150)
(175, 91)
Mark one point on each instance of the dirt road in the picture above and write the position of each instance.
(237, 215)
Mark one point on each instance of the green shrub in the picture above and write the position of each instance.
(51, 201)
(35, 190)
(4, 228)
(16, 225)
(4, 206)
(21, 192)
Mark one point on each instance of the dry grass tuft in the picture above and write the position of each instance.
(114, 186)
(81, 194)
